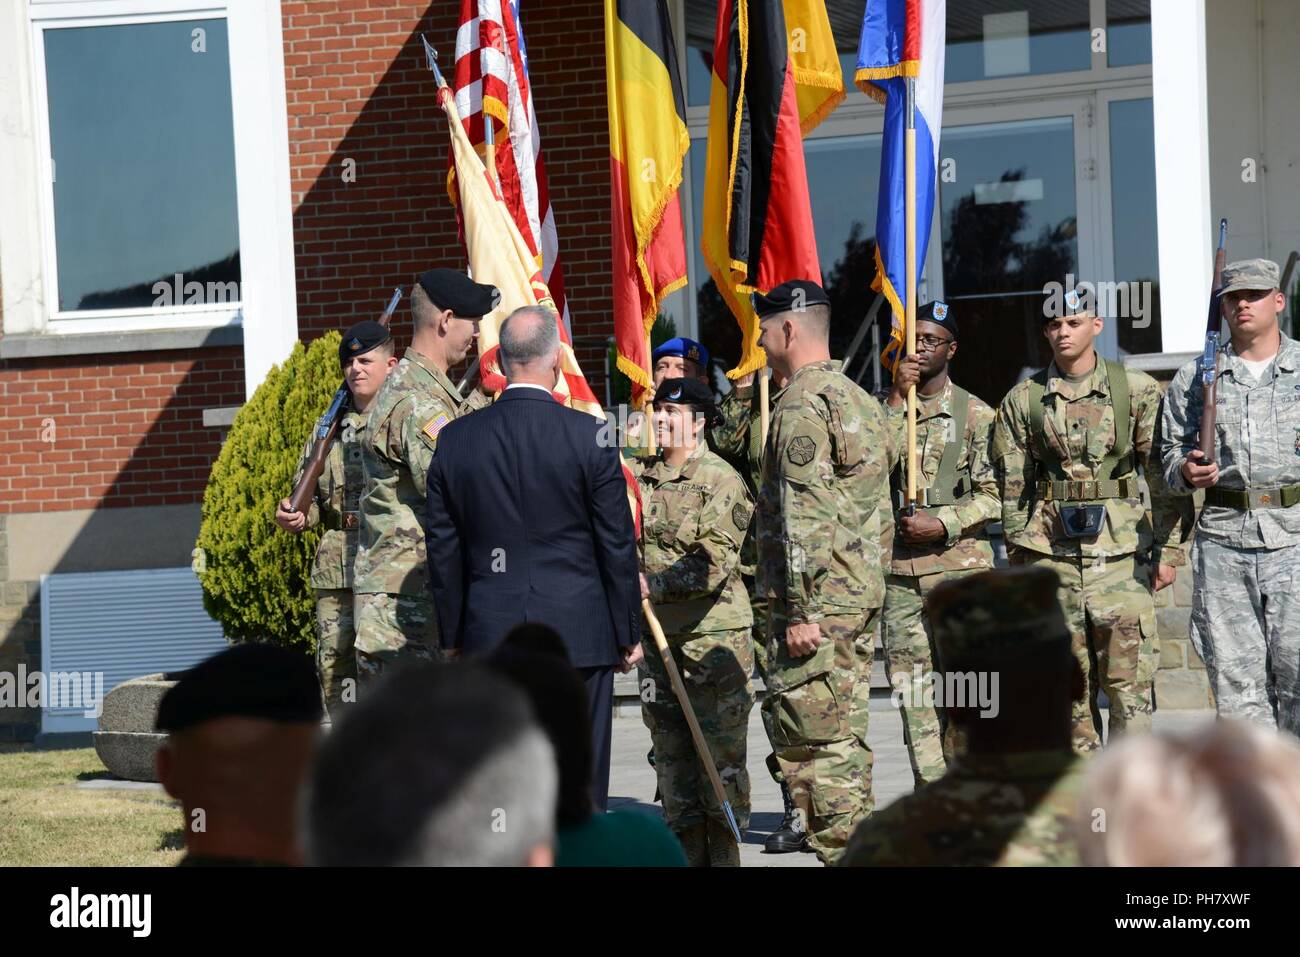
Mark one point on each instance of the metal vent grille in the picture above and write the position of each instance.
(121, 625)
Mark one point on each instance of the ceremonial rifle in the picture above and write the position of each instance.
(327, 427)
(1210, 357)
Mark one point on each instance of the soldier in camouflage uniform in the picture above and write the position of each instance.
(366, 355)
(1010, 798)
(957, 495)
(695, 513)
(1246, 558)
(736, 436)
(823, 512)
(395, 620)
(1071, 502)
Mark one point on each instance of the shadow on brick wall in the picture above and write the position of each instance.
(378, 212)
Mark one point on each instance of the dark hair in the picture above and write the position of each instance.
(560, 702)
(535, 636)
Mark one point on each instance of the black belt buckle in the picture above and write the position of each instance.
(1082, 521)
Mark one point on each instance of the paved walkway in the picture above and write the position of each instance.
(632, 780)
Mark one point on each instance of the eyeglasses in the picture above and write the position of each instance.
(932, 342)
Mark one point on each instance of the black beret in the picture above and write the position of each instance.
(361, 338)
(790, 296)
(246, 681)
(690, 392)
(940, 313)
(449, 289)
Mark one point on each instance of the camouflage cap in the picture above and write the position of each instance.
(997, 611)
(1251, 274)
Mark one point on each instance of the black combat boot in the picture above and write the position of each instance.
(790, 836)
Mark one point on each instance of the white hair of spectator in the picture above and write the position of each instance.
(502, 812)
(529, 335)
(1227, 795)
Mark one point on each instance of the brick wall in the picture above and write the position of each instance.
(128, 431)
(358, 89)
(83, 432)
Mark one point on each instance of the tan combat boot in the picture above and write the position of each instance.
(723, 849)
(695, 842)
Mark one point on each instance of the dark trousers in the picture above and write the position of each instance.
(599, 682)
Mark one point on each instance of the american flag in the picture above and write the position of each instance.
(491, 79)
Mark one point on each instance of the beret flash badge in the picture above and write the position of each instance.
(802, 449)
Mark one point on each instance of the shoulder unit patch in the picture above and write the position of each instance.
(801, 450)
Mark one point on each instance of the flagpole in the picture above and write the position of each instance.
(649, 395)
(490, 149)
(909, 309)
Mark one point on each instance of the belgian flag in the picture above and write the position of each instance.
(648, 139)
(776, 75)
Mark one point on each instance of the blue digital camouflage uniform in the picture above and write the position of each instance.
(1246, 560)
(823, 526)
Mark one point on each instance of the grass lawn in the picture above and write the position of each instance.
(47, 820)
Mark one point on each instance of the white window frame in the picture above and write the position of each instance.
(1085, 94)
(268, 308)
(104, 320)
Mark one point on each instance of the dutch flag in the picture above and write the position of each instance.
(901, 39)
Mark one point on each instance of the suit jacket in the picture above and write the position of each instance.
(528, 521)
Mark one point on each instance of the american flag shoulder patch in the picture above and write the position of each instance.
(435, 425)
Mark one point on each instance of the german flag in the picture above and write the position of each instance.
(776, 75)
(647, 141)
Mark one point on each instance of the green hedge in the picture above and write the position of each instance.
(256, 577)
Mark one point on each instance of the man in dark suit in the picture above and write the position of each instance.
(528, 521)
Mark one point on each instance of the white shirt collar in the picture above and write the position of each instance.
(527, 385)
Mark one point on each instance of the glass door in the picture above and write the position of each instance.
(1017, 211)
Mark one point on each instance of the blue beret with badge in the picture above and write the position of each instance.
(686, 348)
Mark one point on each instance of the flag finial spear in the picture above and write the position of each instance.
(431, 57)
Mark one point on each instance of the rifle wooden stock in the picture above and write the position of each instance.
(327, 429)
(1210, 356)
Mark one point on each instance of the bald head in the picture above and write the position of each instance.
(530, 345)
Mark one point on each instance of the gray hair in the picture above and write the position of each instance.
(498, 815)
(1224, 795)
(437, 764)
(529, 334)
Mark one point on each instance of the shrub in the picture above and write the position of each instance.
(256, 577)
